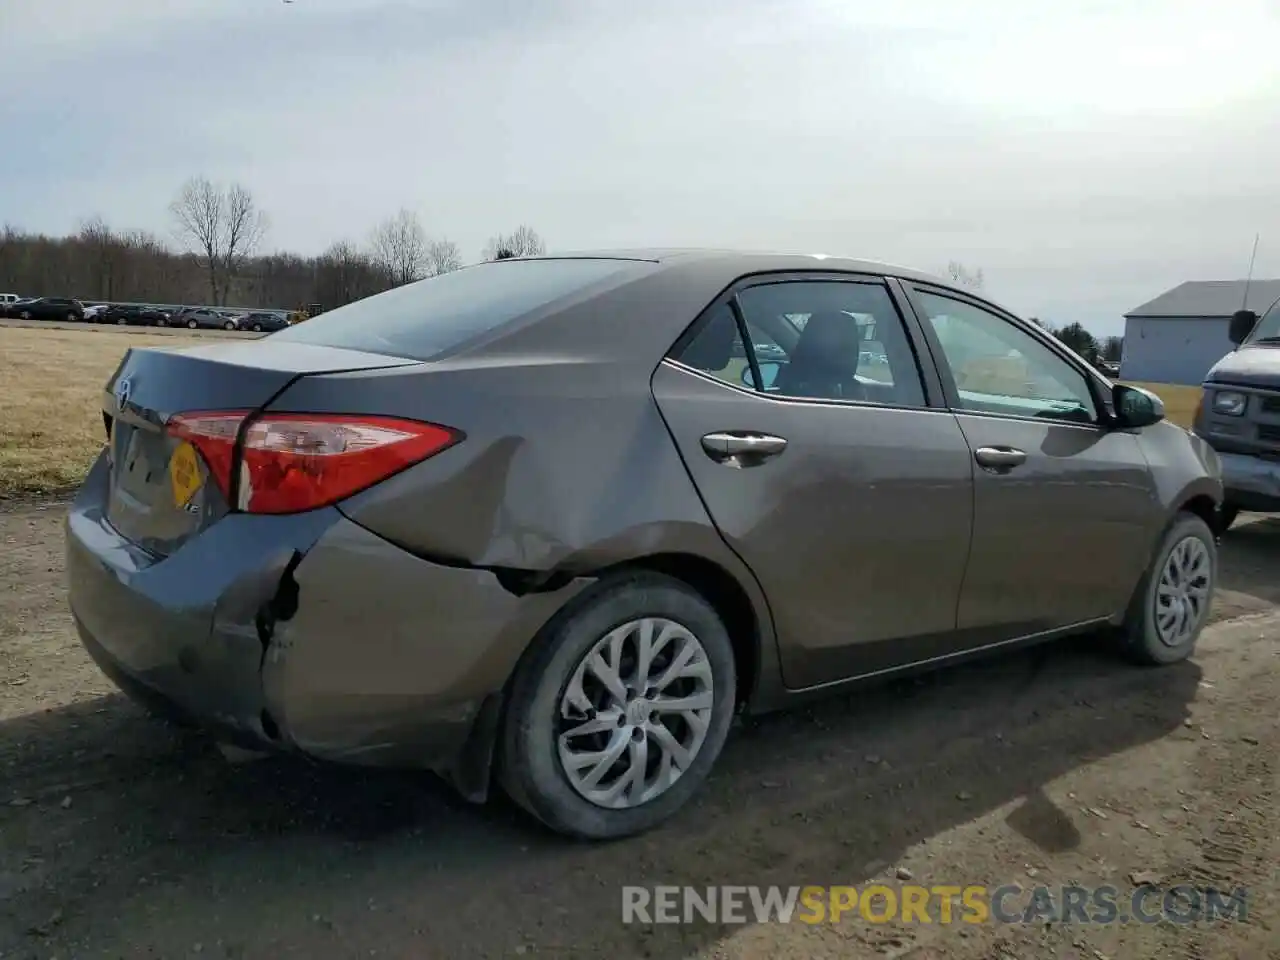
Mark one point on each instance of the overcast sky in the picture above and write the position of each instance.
(1086, 156)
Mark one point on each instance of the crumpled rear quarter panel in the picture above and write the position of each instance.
(389, 657)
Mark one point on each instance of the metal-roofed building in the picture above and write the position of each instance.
(1179, 335)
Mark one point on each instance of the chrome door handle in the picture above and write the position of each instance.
(999, 458)
(749, 447)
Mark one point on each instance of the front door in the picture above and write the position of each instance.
(848, 495)
(1063, 504)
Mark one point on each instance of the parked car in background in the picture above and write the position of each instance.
(94, 313)
(293, 540)
(202, 317)
(260, 322)
(6, 299)
(134, 315)
(49, 308)
(11, 308)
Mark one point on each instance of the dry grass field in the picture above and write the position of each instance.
(1179, 402)
(52, 381)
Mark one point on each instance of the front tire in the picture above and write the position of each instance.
(619, 709)
(1171, 605)
(191, 324)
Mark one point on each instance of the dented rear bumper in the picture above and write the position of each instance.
(305, 633)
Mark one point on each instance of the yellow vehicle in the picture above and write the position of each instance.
(305, 312)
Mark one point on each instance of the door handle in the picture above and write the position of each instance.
(999, 459)
(742, 449)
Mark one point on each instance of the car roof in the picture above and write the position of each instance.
(750, 260)
(635, 317)
(628, 319)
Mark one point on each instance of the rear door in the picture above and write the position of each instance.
(1063, 504)
(851, 503)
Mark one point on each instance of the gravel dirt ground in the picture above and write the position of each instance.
(121, 837)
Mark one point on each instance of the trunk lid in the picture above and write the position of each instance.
(162, 491)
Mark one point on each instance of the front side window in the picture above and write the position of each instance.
(999, 368)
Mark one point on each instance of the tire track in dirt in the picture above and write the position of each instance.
(1238, 845)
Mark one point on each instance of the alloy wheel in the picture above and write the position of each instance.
(1183, 592)
(635, 713)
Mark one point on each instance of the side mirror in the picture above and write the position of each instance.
(1136, 407)
(1242, 324)
(768, 373)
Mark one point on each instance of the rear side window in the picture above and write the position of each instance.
(426, 318)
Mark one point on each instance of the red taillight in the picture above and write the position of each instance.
(290, 462)
(214, 435)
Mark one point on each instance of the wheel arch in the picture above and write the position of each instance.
(741, 606)
(1202, 505)
(727, 597)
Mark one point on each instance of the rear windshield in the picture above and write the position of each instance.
(423, 319)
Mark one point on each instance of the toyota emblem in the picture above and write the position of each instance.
(123, 387)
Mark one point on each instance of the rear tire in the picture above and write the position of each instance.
(228, 325)
(1171, 605)
(547, 770)
(191, 324)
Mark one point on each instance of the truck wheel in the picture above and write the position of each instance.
(1171, 605)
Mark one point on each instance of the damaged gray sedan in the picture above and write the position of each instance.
(551, 522)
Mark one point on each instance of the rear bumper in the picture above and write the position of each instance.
(1251, 483)
(303, 633)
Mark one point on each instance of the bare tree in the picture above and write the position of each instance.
(102, 246)
(962, 276)
(344, 273)
(223, 225)
(399, 246)
(524, 242)
(443, 256)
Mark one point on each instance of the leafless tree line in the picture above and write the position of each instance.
(216, 261)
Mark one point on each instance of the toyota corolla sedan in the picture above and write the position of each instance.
(549, 523)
